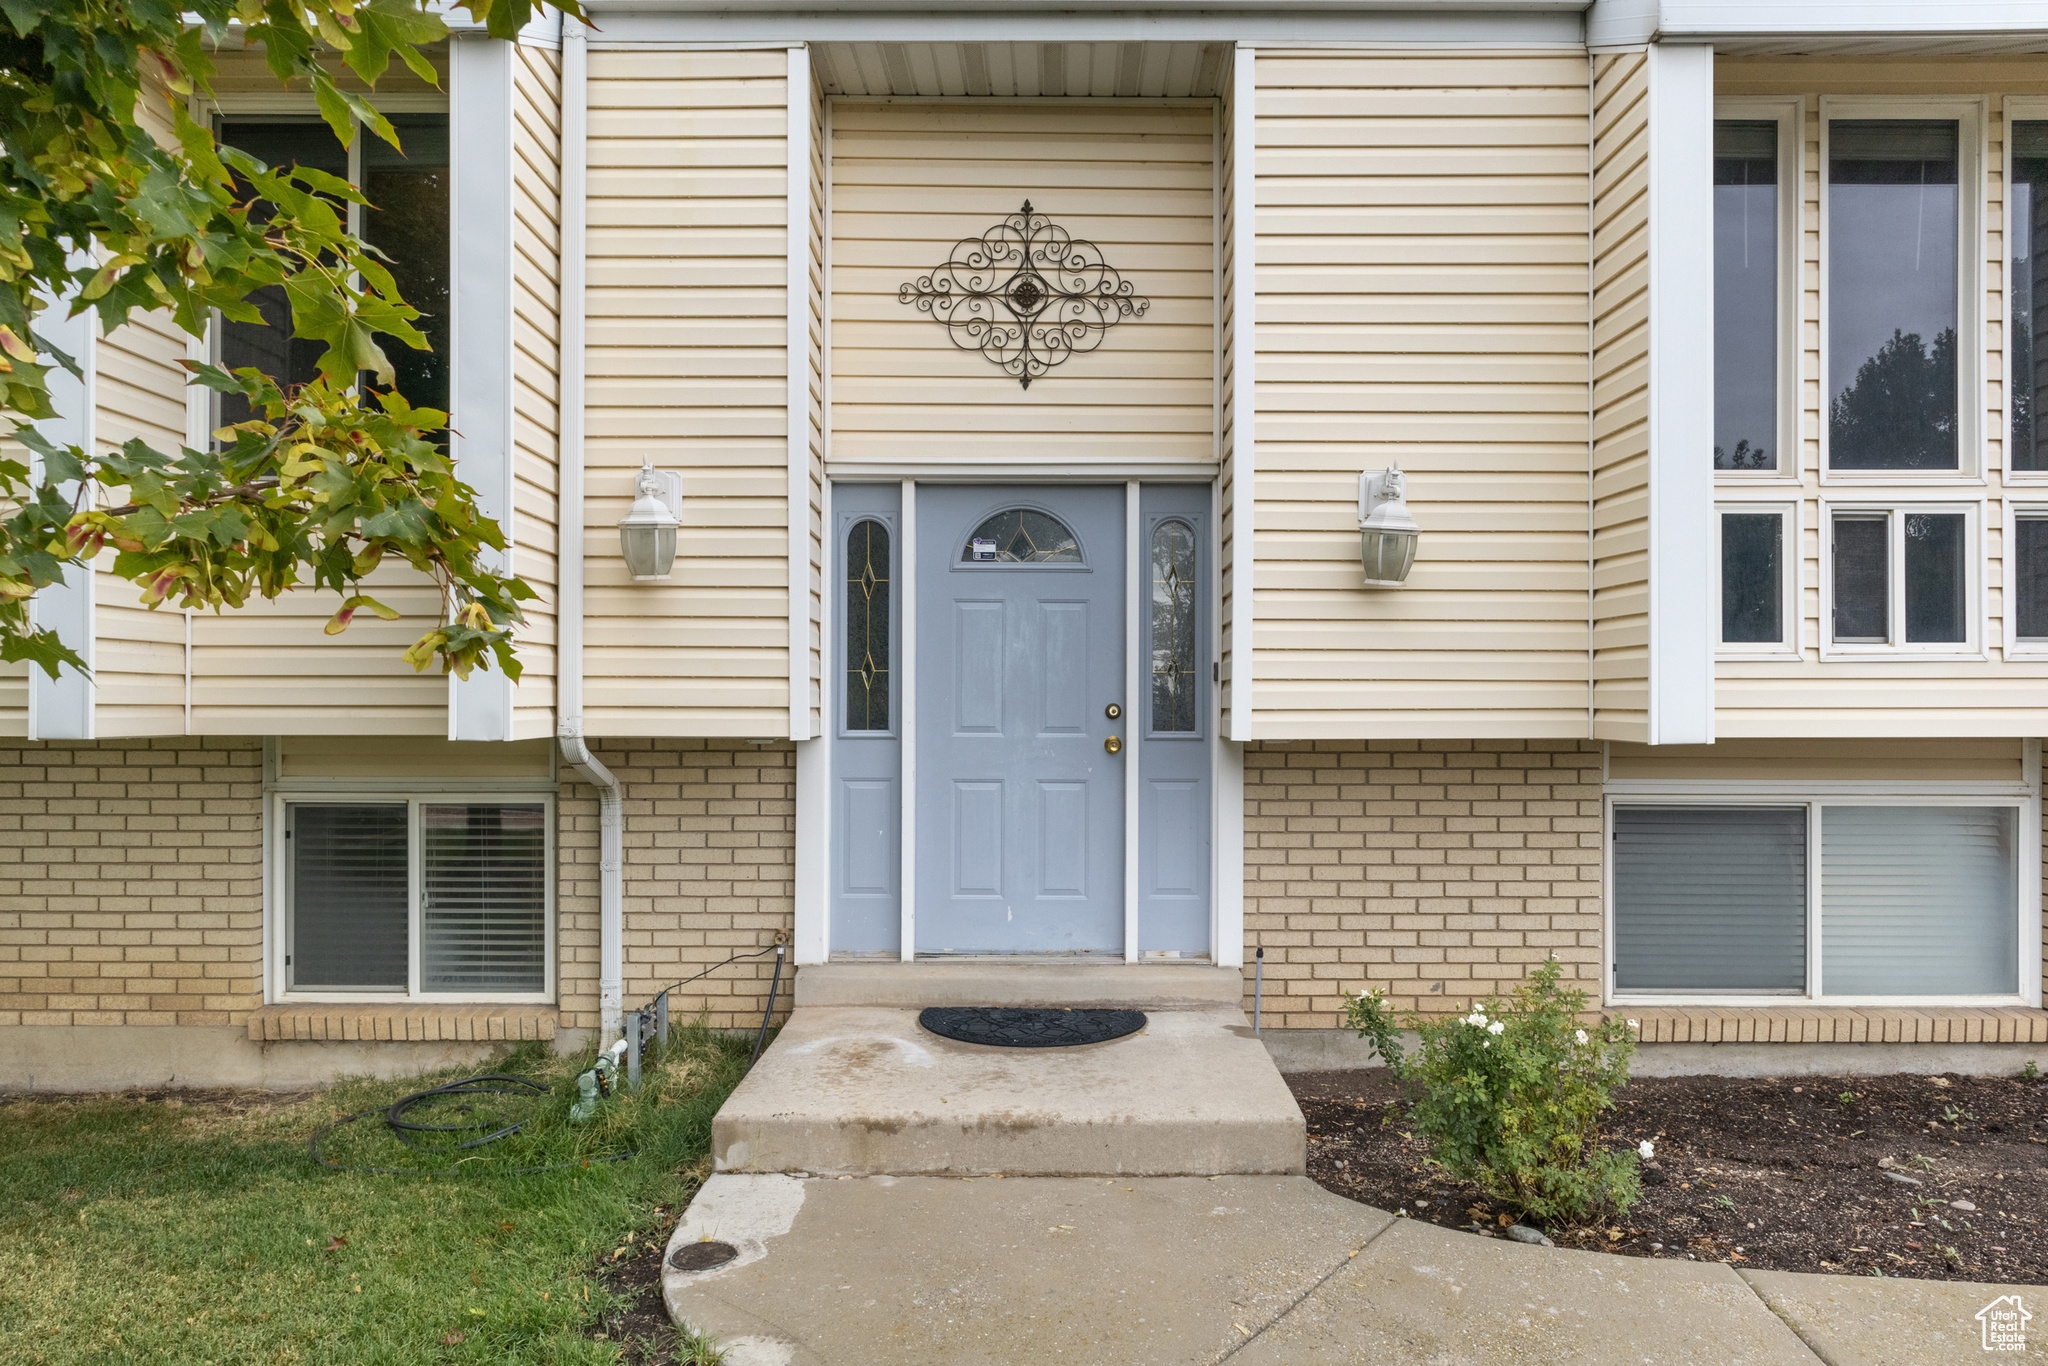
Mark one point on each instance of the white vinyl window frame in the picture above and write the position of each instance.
(2018, 509)
(2018, 109)
(201, 403)
(1789, 113)
(277, 918)
(1791, 539)
(2022, 798)
(1895, 512)
(1971, 116)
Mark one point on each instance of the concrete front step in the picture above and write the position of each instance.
(954, 982)
(865, 1090)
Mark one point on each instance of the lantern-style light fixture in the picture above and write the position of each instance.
(1387, 531)
(647, 533)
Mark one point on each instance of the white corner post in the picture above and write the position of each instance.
(611, 889)
(481, 324)
(62, 708)
(1681, 473)
(1244, 436)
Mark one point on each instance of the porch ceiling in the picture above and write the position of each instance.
(1023, 70)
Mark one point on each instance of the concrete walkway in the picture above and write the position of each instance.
(1255, 1270)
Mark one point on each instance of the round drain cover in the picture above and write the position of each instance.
(702, 1256)
(1030, 1027)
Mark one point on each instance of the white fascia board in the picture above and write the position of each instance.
(797, 249)
(628, 23)
(1681, 476)
(1618, 22)
(480, 340)
(61, 708)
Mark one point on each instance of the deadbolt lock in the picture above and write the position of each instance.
(1113, 744)
(1112, 711)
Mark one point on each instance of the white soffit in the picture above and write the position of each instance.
(1023, 70)
(1826, 27)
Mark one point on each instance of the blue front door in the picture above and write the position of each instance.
(1020, 803)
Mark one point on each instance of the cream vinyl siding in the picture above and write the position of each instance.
(13, 699)
(1809, 696)
(1226, 389)
(1422, 300)
(536, 372)
(687, 335)
(1821, 761)
(1621, 396)
(911, 178)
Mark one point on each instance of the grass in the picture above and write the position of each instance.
(160, 1230)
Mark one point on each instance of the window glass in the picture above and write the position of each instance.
(1935, 574)
(2028, 577)
(408, 221)
(2027, 223)
(348, 896)
(269, 346)
(1174, 687)
(1710, 899)
(1862, 579)
(1021, 536)
(1918, 901)
(1745, 294)
(867, 626)
(1892, 263)
(483, 890)
(1752, 577)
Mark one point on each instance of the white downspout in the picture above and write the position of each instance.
(611, 886)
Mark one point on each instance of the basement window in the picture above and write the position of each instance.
(1884, 901)
(435, 897)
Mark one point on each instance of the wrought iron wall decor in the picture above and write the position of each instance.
(1027, 294)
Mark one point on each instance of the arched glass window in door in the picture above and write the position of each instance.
(1174, 685)
(1021, 536)
(867, 626)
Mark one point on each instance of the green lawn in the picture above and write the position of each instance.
(168, 1231)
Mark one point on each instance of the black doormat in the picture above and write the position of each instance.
(1030, 1027)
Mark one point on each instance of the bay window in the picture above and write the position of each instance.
(417, 896)
(2026, 581)
(1747, 245)
(2026, 224)
(1758, 581)
(1837, 898)
(1901, 578)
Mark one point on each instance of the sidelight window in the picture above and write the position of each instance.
(1175, 687)
(867, 626)
(417, 897)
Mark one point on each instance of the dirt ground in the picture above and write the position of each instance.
(1938, 1177)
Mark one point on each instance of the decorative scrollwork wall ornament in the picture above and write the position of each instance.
(1027, 294)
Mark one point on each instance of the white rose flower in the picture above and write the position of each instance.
(1582, 1036)
(1646, 1150)
(1496, 1028)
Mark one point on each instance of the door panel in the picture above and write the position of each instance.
(1020, 650)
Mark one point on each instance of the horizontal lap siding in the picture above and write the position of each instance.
(687, 335)
(1621, 397)
(1809, 696)
(910, 180)
(537, 147)
(1422, 300)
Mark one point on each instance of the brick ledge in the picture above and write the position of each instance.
(1836, 1024)
(393, 1023)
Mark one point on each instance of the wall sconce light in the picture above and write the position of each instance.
(1387, 531)
(647, 533)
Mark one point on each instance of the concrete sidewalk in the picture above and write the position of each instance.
(1256, 1270)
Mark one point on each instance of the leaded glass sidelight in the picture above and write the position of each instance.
(867, 626)
(1021, 536)
(1174, 685)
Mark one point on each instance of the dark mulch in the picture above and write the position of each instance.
(1786, 1174)
(633, 1273)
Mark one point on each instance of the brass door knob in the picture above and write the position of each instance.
(1113, 745)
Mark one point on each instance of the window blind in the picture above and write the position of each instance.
(484, 897)
(1710, 899)
(1918, 901)
(348, 895)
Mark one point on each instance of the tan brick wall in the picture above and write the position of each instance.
(1439, 870)
(131, 882)
(710, 871)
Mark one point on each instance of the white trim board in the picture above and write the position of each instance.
(1244, 437)
(797, 368)
(64, 707)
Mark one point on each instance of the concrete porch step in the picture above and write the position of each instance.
(971, 982)
(865, 1090)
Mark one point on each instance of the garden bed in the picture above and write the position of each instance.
(1937, 1177)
